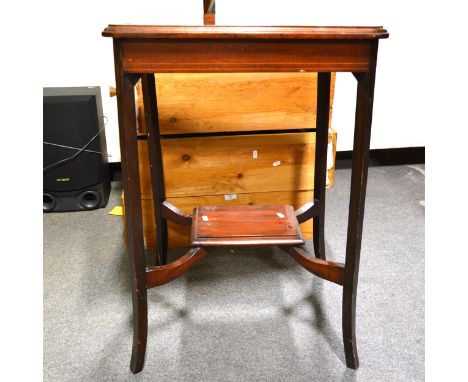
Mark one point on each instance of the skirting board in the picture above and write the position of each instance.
(385, 157)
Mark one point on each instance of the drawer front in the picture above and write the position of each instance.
(179, 236)
(236, 164)
(219, 102)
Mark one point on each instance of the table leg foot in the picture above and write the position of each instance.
(349, 328)
(140, 333)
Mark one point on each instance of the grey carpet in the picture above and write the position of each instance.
(242, 315)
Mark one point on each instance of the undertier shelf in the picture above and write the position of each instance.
(245, 226)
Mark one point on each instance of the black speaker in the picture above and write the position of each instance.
(75, 169)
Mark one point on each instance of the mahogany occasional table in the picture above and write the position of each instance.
(140, 51)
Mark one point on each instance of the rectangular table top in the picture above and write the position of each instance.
(246, 32)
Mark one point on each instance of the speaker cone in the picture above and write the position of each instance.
(49, 202)
(89, 200)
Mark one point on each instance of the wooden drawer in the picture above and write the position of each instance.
(179, 236)
(214, 102)
(236, 164)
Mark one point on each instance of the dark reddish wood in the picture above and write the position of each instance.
(159, 275)
(328, 270)
(308, 211)
(320, 174)
(245, 225)
(133, 221)
(260, 55)
(149, 49)
(246, 32)
(316, 208)
(175, 214)
(362, 134)
(156, 168)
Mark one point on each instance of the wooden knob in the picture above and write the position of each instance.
(186, 157)
(173, 120)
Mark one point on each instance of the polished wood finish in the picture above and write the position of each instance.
(235, 33)
(323, 118)
(214, 56)
(162, 274)
(134, 229)
(171, 212)
(156, 168)
(307, 211)
(139, 50)
(328, 270)
(362, 134)
(179, 232)
(245, 226)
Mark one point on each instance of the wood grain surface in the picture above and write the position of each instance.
(179, 236)
(128, 31)
(245, 226)
(219, 102)
(226, 165)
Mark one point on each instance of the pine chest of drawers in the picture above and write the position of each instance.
(233, 139)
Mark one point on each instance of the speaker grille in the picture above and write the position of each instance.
(71, 121)
(75, 176)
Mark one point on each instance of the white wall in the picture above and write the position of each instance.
(79, 56)
(396, 122)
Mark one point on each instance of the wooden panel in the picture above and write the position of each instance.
(179, 236)
(245, 226)
(225, 165)
(215, 56)
(191, 103)
(222, 222)
(214, 102)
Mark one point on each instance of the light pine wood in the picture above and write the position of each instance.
(216, 102)
(179, 236)
(225, 165)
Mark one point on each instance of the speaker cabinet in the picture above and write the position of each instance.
(76, 173)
